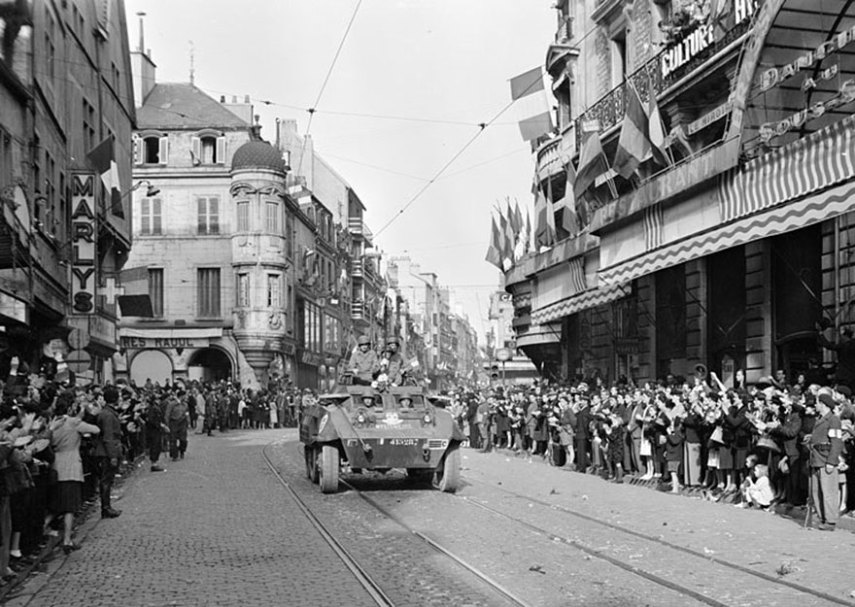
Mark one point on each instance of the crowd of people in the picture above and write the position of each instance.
(62, 444)
(774, 443)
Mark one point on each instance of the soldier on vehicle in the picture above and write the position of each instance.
(393, 363)
(364, 363)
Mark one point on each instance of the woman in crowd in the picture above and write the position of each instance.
(67, 430)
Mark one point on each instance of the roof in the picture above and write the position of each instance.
(258, 155)
(175, 105)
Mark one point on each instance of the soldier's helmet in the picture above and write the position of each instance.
(363, 340)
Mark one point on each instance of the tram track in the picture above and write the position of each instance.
(370, 583)
(632, 568)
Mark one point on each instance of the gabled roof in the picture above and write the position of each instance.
(176, 105)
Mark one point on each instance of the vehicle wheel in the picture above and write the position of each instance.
(447, 477)
(329, 469)
(311, 455)
(420, 475)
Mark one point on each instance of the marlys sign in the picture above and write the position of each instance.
(83, 259)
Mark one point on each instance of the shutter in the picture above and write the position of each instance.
(196, 150)
(163, 150)
(137, 150)
(221, 150)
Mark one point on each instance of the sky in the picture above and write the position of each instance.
(399, 87)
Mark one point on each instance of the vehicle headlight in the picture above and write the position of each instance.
(360, 419)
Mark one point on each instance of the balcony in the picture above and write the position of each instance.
(357, 269)
(648, 79)
(358, 228)
(357, 310)
(549, 161)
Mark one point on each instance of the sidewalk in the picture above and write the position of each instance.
(798, 513)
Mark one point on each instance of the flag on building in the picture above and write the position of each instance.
(494, 252)
(527, 83)
(103, 160)
(634, 145)
(535, 109)
(657, 133)
(542, 235)
(592, 164)
(550, 211)
(510, 238)
(527, 232)
(569, 215)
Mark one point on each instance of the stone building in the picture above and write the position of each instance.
(65, 88)
(732, 250)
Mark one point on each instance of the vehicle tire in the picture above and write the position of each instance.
(311, 455)
(329, 469)
(421, 476)
(447, 477)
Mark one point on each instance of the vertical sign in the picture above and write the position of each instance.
(82, 243)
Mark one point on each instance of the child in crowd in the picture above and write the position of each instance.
(756, 488)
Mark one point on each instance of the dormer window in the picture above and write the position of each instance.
(208, 147)
(151, 148)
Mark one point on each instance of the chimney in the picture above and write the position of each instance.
(143, 68)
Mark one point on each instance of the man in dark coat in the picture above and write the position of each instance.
(788, 432)
(108, 449)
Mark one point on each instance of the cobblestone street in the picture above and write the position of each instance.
(218, 529)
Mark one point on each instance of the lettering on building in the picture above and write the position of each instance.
(778, 75)
(846, 95)
(82, 241)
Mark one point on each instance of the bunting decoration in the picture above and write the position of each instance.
(592, 164)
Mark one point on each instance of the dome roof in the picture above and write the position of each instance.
(258, 155)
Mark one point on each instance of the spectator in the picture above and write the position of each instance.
(108, 449)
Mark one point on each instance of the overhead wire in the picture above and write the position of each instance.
(482, 127)
(312, 109)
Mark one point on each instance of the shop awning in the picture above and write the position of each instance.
(577, 303)
(172, 333)
(539, 335)
(772, 222)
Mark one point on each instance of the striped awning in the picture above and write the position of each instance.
(581, 301)
(810, 164)
(774, 221)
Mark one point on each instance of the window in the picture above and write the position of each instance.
(619, 58)
(45, 215)
(151, 150)
(150, 216)
(274, 291)
(243, 216)
(289, 236)
(50, 48)
(88, 125)
(209, 215)
(155, 290)
(242, 289)
(209, 292)
(209, 150)
(273, 224)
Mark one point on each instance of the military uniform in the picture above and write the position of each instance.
(396, 368)
(364, 364)
(825, 445)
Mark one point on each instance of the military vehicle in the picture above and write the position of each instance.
(360, 428)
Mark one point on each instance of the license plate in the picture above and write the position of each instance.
(403, 442)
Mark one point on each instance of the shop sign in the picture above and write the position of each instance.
(308, 357)
(846, 95)
(778, 75)
(703, 37)
(150, 343)
(83, 243)
(13, 307)
(102, 329)
(707, 119)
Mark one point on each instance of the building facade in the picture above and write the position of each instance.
(730, 252)
(65, 88)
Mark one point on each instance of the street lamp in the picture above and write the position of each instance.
(151, 190)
